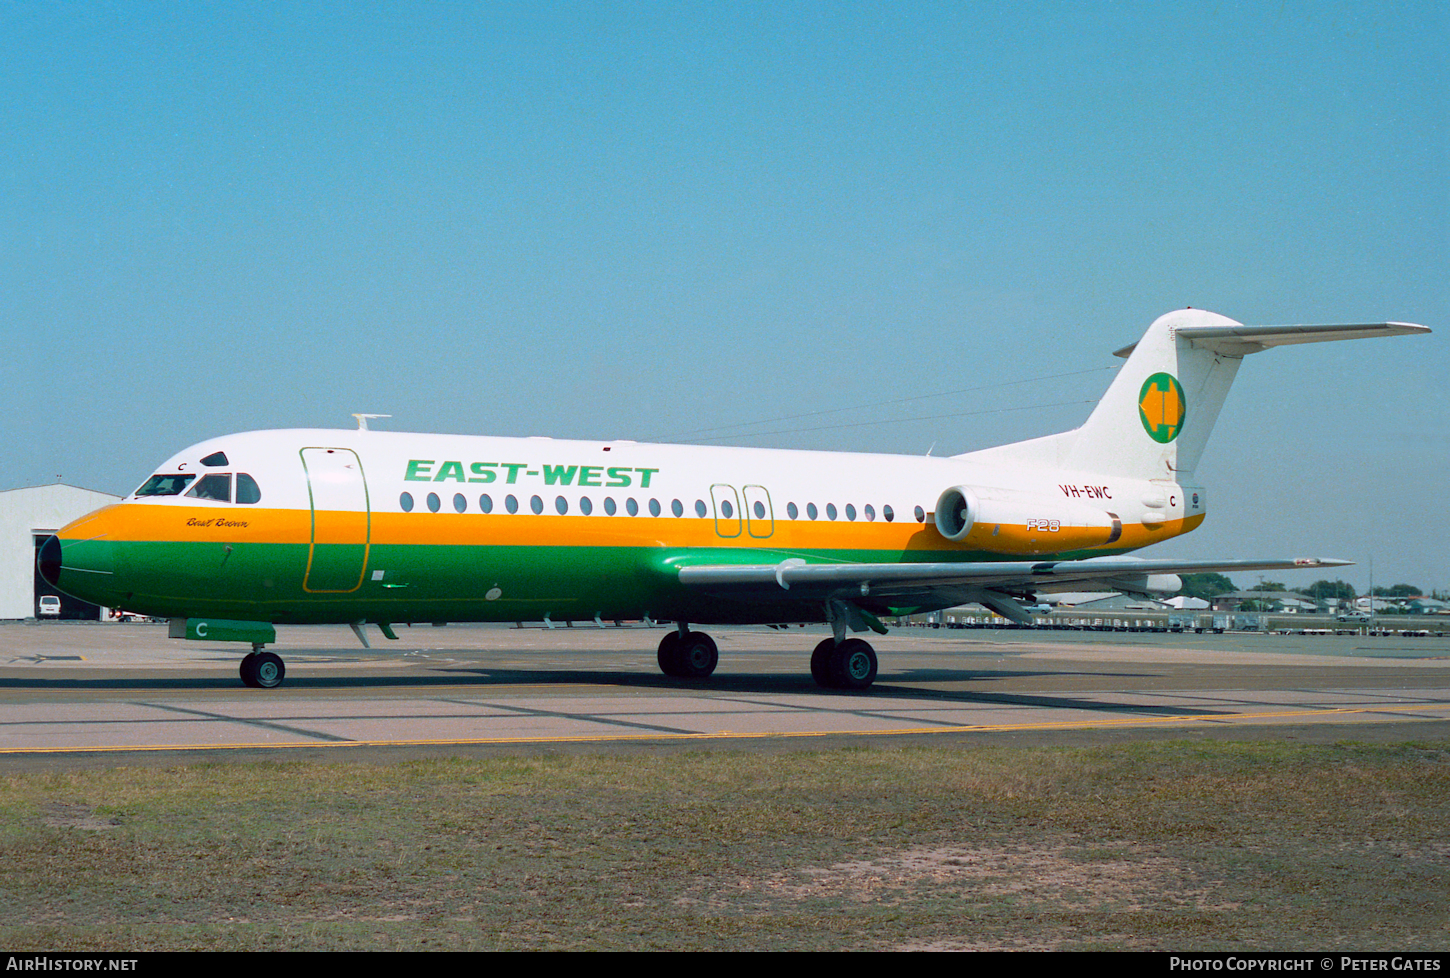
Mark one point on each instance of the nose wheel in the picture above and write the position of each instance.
(263, 670)
(845, 665)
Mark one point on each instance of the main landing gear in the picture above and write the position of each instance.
(844, 665)
(262, 670)
(849, 664)
(688, 655)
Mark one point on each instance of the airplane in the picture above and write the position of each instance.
(240, 533)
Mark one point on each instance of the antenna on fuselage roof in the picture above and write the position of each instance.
(362, 420)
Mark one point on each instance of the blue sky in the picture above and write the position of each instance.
(648, 220)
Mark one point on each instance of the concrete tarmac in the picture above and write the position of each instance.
(97, 694)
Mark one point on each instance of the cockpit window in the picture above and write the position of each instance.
(165, 485)
(218, 487)
(247, 489)
(215, 459)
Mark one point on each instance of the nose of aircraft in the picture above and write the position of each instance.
(84, 569)
(49, 560)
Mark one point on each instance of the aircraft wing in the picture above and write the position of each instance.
(991, 583)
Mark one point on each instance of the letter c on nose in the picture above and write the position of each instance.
(201, 629)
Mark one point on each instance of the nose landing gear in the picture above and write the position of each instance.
(263, 670)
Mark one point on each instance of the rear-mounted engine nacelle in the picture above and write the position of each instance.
(1003, 521)
(956, 513)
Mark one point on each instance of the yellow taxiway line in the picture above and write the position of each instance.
(732, 735)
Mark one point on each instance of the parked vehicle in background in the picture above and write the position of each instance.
(1352, 616)
(49, 606)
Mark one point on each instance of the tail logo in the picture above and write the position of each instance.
(1162, 407)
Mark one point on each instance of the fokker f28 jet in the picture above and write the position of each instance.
(239, 533)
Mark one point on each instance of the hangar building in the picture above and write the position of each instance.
(27, 517)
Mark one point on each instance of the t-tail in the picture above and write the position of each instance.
(1155, 419)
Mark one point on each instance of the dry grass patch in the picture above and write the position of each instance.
(1149, 846)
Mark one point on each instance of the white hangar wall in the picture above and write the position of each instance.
(23, 514)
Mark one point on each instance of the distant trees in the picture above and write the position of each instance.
(1265, 604)
(1205, 586)
(1322, 590)
(1208, 586)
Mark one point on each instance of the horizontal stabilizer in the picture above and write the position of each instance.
(1238, 341)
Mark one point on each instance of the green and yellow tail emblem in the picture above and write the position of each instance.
(1162, 407)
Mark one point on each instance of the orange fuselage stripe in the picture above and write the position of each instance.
(142, 522)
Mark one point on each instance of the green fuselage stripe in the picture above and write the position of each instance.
(410, 582)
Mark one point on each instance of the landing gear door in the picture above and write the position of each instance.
(341, 522)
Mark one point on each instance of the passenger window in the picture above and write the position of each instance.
(405, 502)
(561, 504)
(759, 510)
(247, 489)
(727, 510)
(511, 504)
(609, 505)
(165, 485)
(218, 487)
(536, 504)
(654, 507)
(870, 513)
(460, 502)
(485, 503)
(631, 507)
(585, 506)
(433, 503)
(887, 513)
(811, 510)
(677, 508)
(850, 512)
(700, 509)
(830, 511)
(791, 511)
(920, 515)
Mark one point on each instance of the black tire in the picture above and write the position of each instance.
(670, 659)
(853, 665)
(698, 656)
(821, 663)
(263, 670)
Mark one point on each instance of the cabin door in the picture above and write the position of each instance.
(759, 515)
(727, 510)
(337, 554)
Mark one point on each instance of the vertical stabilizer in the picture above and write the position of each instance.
(1155, 419)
